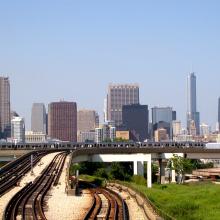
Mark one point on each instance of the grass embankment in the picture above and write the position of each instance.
(92, 179)
(197, 201)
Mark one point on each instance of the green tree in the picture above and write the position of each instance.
(101, 172)
(181, 165)
(120, 171)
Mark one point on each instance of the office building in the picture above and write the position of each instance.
(18, 130)
(176, 128)
(87, 120)
(38, 118)
(62, 121)
(219, 114)
(162, 117)
(99, 135)
(105, 133)
(86, 136)
(135, 119)
(192, 114)
(5, 111)
(161, 135)
(119, 95)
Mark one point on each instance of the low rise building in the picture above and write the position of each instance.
(35, 137)
(125, 135)
(86, 136)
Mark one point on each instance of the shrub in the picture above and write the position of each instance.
(140, 180)
(101, 172)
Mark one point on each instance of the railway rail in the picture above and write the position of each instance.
(11, 174)
(115, 209)
(28, 203)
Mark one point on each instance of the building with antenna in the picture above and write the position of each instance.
(192, 113)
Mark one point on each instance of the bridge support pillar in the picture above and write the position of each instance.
(135, 168)
(162, 165)
(140, 168)
(149, 172)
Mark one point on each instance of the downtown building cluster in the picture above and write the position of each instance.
(125, 119)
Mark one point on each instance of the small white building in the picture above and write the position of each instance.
(35, 137)
(18, 130)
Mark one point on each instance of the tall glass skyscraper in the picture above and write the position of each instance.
(192, 114)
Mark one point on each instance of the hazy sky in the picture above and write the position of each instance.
(71, 50)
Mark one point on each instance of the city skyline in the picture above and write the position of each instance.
(26, 112)
(52, 51)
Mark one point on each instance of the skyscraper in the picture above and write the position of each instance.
(119, 95)
(86, 120)
(5, 112)
(38, 118)
(62, 121)
(135, 119)
(219, 113)
(192, 114)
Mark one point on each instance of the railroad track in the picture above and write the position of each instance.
(10, 175)
(28, 203)
(107, 204)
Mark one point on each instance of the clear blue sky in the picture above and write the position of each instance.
(71, 50)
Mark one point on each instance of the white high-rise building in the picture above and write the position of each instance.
(18, 130)
(99, 135)
(112, 133)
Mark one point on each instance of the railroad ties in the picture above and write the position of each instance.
(12, 173)
(28, 203)
(107, 204)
